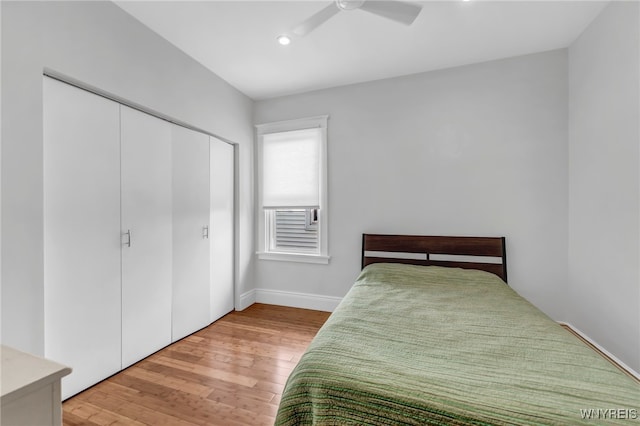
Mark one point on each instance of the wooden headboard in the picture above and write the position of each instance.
(484, 253)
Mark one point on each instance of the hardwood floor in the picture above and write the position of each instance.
(229, 373)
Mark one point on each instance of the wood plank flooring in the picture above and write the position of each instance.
(229, 373)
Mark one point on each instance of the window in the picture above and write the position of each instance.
(292, 186)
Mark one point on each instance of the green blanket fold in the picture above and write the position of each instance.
(443, 346)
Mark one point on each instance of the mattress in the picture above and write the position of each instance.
(431, 345)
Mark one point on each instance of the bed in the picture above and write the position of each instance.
(427, 339)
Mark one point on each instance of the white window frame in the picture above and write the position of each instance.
(263, 226)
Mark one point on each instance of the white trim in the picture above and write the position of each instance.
(603, 350)
(294, 257)
(290, 125)
(316, 302)
(246, 299)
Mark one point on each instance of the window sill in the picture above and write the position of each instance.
(294, 257)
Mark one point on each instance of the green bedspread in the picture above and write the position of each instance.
(445, 346)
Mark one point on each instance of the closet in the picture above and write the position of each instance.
(138, 233)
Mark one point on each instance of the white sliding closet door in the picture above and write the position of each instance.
(81, 234)
(191, 297)
(147, 237)
(221, 234)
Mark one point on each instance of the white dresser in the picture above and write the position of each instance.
(30, 389)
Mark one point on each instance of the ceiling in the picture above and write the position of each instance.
(237, 39)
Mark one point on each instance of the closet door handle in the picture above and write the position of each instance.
(128, 234)
(205, 232)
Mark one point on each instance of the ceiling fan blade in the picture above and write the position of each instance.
(399, 11)
(316, 20)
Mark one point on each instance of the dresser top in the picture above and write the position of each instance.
(21, 372)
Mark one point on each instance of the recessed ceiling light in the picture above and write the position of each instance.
(283, 39)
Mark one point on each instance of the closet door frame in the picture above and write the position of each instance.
(222, 208)
(115, 241)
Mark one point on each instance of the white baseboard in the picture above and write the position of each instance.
(608, 354)
(316, 302)
(246, 299)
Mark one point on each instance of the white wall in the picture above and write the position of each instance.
(604, 199)
(474, 150)
(100, 45)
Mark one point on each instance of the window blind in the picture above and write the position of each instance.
(291, 169)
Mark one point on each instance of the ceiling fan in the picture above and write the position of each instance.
(396, 10)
